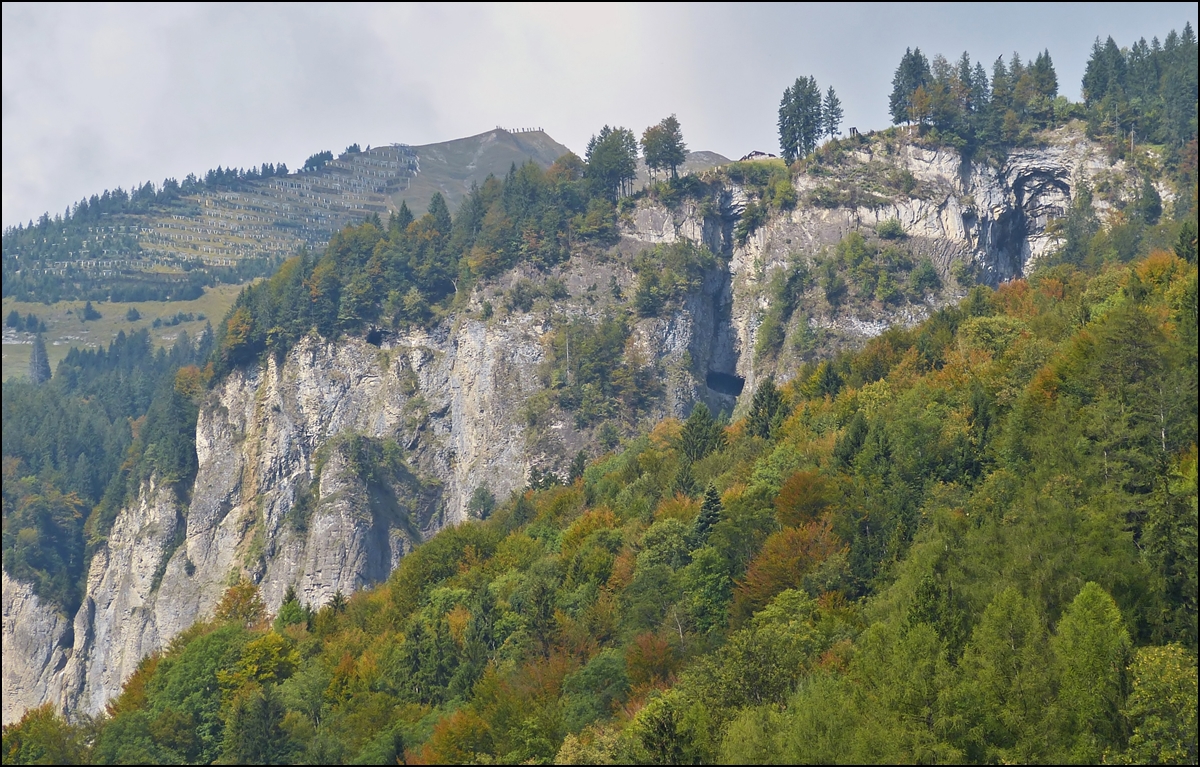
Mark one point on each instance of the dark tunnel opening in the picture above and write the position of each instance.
(725, 383)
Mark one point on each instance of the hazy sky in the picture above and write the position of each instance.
(99, 96)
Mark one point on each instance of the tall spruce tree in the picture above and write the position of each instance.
(788, 142)
(831, 113)
(801, 123)
(663, 147)
(912, 73)
(39, 363)
(767, 410)
(701, 434)
(612, 161)
(709, 516)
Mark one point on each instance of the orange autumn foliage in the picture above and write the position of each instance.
(1016, 298)
(457, 739)
(785, 558)
(678, 507)
(651, 661)
(802, 499)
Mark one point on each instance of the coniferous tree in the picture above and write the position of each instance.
(578, 464)
(788, 140)
(767, 410)
(701, 434)
(612, 161)
(1005, 680)
(663, 147)
(831, 113)
(1185, 244)
(709, 516)
(253, 734)
(39, 363)
(685, 481)
(1091, 651)
(400, 220)
(808, 109)
(440, 213)
(801, 122)
(913, 73)
(1081, 226)
(1044, 77)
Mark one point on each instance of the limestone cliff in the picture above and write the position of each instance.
(982, 222)
(280, 495)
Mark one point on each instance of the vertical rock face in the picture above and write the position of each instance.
(37, 638)
(281, 495)
(985, 221)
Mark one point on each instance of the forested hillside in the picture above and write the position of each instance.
(973, 539)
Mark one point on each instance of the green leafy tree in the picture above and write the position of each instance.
(592, 691)
(482, 503)
(241, 605)
(43, 737)
(663, 147)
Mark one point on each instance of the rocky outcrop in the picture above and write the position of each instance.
(37, 643)
(976, 222)
(281, 496)
(273, 435)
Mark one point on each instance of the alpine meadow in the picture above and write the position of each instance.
(880, 450)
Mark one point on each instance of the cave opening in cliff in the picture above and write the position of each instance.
(725, 383)
(375, 336)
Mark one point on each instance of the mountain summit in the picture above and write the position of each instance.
(451, 167)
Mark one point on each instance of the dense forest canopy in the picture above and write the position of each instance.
(78, 446)
(411, 270)
(972, 540)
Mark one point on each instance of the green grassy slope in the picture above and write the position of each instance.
(64, 329)
(452, 166)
